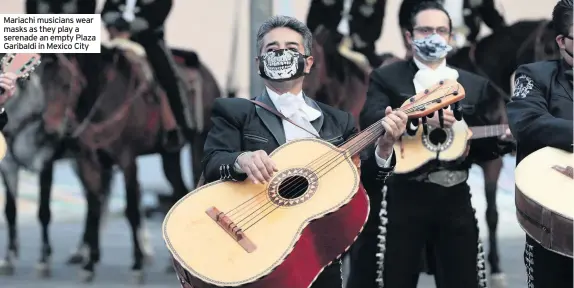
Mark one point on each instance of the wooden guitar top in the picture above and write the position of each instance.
(541, 176)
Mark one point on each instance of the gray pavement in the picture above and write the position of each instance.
(113, 271)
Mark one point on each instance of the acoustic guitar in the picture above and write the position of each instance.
(21, 64)
(443, 144)
(282, 234)
(545, 198)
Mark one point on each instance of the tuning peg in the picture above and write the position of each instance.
(425, 127)
(441, 118)
(457, 111)
(441, 82)
(410, 124)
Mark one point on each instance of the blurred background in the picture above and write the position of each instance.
(208, 28)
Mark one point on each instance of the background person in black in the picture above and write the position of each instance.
(90, 64)
(420, 208)
(474, 13)
(365, 22)
(540, 115)
(243, 135)
(146, 25)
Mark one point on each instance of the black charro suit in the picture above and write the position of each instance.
(239, 126)
(417, 210)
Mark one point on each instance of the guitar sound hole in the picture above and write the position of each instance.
(293, 187)
(437, 136)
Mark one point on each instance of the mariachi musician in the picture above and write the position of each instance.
(358, 22)
(89, 64)
(7, 90)
(467, 17)
(243, 135)
(146, 22)
(540, 115)
(431, 203)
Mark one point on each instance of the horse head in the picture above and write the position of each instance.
(63, 82)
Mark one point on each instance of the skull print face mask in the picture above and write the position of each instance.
(282, 65)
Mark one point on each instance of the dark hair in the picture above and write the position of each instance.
(423, 6)
(562, 17)
(287, 22)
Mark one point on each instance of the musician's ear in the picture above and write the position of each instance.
(309, 64)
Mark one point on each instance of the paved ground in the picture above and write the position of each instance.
(68, 207)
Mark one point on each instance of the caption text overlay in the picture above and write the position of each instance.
(50, 33)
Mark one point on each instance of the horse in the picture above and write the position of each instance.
(28, 148)
(334, 79)
(127, 120)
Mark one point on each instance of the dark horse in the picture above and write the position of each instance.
(128, 119)
(339, 81)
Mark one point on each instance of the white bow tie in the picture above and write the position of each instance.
(426, 78)
(290, 105)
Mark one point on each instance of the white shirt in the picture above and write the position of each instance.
(295, 108)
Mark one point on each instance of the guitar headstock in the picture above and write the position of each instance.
(21, 64)
(439, 96)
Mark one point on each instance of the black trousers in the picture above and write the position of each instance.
(162, 63)
(419, 213)
(330, 277)
(546, 269)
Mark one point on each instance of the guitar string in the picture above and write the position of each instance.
(293, 181)
(229, 213)
(278, 206)
(302, 183)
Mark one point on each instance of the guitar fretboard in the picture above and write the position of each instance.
(488, 131)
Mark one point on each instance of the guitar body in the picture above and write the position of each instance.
(545, 197)
(442, 144)
(288, 247)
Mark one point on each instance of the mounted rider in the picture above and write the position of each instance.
(467, 17)
(89, 64)
(359, 24)
(144, 21)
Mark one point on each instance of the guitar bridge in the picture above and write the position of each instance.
(567, 171)
(231, 228)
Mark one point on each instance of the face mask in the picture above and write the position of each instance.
(282, 65)
(431, 48)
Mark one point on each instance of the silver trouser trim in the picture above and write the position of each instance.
(382, 245)
(529, 263)
(480, 259)
(447, 178)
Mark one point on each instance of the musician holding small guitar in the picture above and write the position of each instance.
(540, 117)
(432, 203)
(7, 90)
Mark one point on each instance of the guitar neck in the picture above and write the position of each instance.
(479, 132)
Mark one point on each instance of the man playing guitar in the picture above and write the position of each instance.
(243, 134)
(540, 115)
(431, 204)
